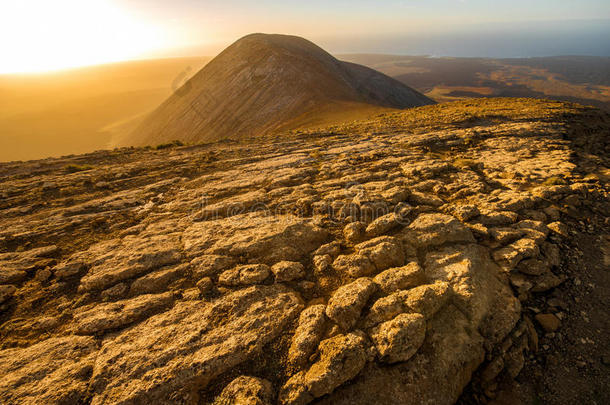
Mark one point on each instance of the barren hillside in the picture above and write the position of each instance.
(266, 83)
(396, 260)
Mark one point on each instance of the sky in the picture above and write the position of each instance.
(40, 35)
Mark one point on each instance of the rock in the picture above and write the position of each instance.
(131, 257)
(533, 267)
(395, 195)
(535, 215)
(505, 235)
(288, 271)
(157, 281)
(400, 278)
(551, 254)
(54, 371)
(383, 252)
(399, 339)
(465, 212)
(232, 206)
(6, 293)
(386, 308)
(322, 262)
(531, 334)
(247, 274)
(345, 305)
(134, 368)
(356, 265)
(15, 265)
(522, 285)
(309, 332)
(354, 232)
(534, 230)
(341, 359)
(210, 265)
(560, 229)
(246, 390)
(191, 294)
(76, 265)
(103, 317)
(548, 322)
(10, 276)
(514, 362)
(437, 229)
(426, 169)
(425, 199)
(331, 249)
(557, 303)
(498, 218)
(114, 292)
(546, 282)
(492, 370)
(205, 285)
(43, 275)
(382, 225)
(572, 200)
(269, 239)
(478, 229)
(426, 300)
(512, 254)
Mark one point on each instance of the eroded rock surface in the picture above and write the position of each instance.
(385, 261)
(171, 355)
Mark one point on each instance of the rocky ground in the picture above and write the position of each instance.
(449, 253)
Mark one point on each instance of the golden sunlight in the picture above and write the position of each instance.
(43, 35)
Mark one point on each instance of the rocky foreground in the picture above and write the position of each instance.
(388, 261)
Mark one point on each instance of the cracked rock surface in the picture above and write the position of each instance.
(361, 263)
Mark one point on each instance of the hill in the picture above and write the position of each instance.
(267, 83)
(402, 259)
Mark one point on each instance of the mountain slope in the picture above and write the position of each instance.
(264, 83)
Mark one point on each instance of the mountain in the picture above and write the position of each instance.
(266, 83)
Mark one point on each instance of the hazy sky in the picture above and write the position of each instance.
(45, 34)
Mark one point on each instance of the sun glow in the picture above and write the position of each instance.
(43, 35)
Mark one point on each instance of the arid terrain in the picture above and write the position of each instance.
(453, 252)
(580, 79)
